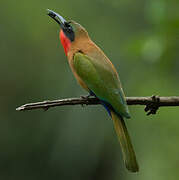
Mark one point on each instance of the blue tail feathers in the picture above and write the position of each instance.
(106, 106)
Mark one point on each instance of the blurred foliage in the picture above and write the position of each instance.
(140, 37)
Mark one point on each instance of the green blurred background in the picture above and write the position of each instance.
(142, 40)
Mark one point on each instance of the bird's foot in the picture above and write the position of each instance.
(153, 106)
(86, 97)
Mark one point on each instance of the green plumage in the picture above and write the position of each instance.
(103, 81)
(101, 78)
(125, 142)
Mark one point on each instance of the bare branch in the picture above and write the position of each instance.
(152, 103)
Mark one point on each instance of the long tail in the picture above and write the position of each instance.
(125, 142)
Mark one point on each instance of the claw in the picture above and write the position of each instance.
(86, 97)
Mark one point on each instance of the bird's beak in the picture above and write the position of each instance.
(59, 19)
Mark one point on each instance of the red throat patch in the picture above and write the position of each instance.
(65, 42)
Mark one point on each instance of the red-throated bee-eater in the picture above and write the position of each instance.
(96, 74)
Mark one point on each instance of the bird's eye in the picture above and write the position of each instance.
(68, 26)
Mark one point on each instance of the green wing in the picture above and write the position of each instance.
(101, 78)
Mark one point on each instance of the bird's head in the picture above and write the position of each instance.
(70, 30)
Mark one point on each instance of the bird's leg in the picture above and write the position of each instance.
(87, 96)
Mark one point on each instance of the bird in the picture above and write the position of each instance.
(98, 76)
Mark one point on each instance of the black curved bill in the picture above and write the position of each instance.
(59, 19)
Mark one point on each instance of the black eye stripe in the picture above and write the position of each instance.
(68, 27)
(68, 30)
